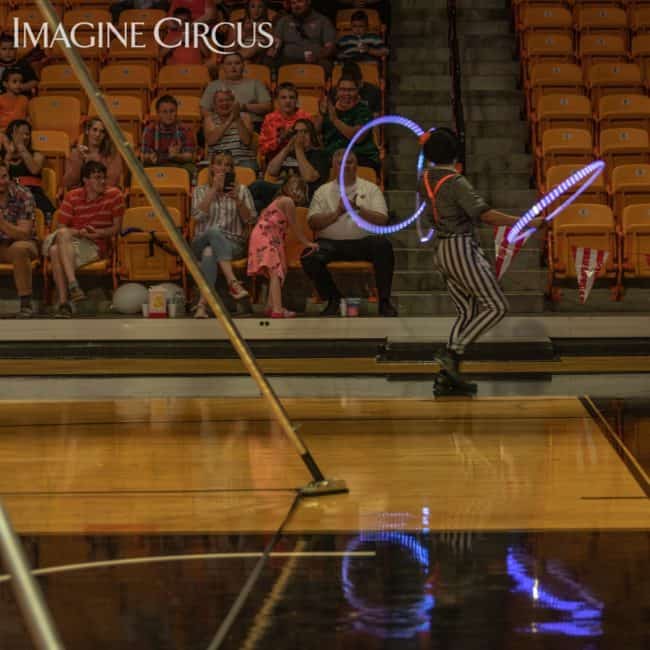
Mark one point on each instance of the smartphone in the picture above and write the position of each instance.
(228, 182)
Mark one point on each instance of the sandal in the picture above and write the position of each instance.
(237, 291)
(285, 313)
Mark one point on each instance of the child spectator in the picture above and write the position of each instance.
(166, 141)
(256, 12)
(13, 104)
(9, 59)
(361, 45)
(95, 145)
(266, 252)
(25, 165)
(184, 54)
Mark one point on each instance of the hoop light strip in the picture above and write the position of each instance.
(587, 175)
(418, 201)
(356, 217)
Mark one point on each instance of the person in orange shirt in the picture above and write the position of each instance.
(182, 54)
(13, 104)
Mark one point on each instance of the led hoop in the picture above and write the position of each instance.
(590, 172)
(418, 199)
(356, 217)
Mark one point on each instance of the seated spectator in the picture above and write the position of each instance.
(340, 239)
(369, 94)
(257, 12)
(222, 210)
(340, 121)
(361, 45)
(266, 253)
(226, 129)
(89, 217)
(13, 104)
(25, 165)
(276, 129)
(17, 243)
(118, 6)
(95, 145)
(203, 11)
(166, 141)
(251, 94)
(184, 54)
(301, 156)
(304, 36)
(9, 59)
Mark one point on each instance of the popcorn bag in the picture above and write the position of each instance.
(157, 302)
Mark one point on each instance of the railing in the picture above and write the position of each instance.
(456, 79)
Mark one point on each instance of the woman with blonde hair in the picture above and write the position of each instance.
(222, 210)
(266, 253)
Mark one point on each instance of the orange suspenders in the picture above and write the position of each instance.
(433, 193)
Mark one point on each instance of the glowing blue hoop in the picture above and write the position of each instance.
(588, 174)
(356, 217)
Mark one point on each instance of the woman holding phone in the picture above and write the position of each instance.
(222, 211)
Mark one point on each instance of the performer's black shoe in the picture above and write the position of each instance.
(444, 386)
(387, 309)
(332, 308)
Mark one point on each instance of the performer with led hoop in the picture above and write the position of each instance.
(458, 210)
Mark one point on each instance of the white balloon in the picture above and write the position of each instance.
(129, 298)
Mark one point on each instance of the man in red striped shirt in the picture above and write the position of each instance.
(89, 217)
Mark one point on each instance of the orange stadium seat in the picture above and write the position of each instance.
(183, 79)
(147, 55)
(243, 175)
(29, 15)
(56, 113)
(612, 78)
(128, 112)
(640, 19)
(369, 72)
(255, 71)
(595, 193)
(563, 146)
(635, 233)
(624, 111)
(84, 20)
(545, 47)
(623, 146)
(581, 225)
(534, 18)
(562, 111)
(146, 18)
(630, 184)
(343, 17)
(61, 79)
(553, 78)
(141, 256)
(309, 103)
(55, 146)
(601, 48)
(173, 185)
(305, 76)
(602, 19)
(126, 79)
(93, 57)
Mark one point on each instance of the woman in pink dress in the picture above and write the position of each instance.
(266, 254)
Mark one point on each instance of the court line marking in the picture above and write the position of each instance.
(629, 460)
(190, 558)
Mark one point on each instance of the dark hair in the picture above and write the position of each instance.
(16, 124)
(6, 37)
(92, 167)
(286, 85)
(239, 54)
(359, 16)
(313, 133)
(182, 11)
(352, 69)
(9, 72)
(166, 99)
(346, 77)
(442, 147)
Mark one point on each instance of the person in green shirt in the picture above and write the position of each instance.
(340, 121)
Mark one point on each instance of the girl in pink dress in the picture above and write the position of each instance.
(266, 254)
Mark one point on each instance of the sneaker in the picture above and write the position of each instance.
(285, 313)
(332, 308)
(237, 291)
(25, 312)
(63, 311)
(77, 295)
(201, 311)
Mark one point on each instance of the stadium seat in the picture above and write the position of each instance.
(173, 185)
(535, 18)
(254, 71)
(28, 15)
(148, 54)
(595, 193)
(623, 146)
(7, 268)
(84, 20)
(605, 19)
(369, 72)
(93, 57)
(545, 47)
(141, 256)
(183, 79)
(635, 233)
(631, 111)
(587, 226)
(563, 146)
(305, 76)
(127, 79)
(146, 18)
(553, 78)
(55, 146)
(562, 111)
(127, 110)
(612, 78)
(293, 246)
(601, 48)
(61, 79)
(309, 103)
(630, 184)
(640, 19)
(56, 113)
(343, 17)
(243, 175)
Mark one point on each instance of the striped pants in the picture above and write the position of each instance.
(473, 287)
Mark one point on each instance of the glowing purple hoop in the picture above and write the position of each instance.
(588, 174)
(357, 218)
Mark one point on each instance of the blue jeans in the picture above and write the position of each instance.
(212, 247)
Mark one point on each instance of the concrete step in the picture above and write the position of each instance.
(511, 181)
(490, 164)
(421, 259)
(494, 129)
(492, 83)
(483, 23)
(414, 303)
(422, 82)
(491, 68)
(407, 239)
(493, 97)
(430, 280)
(495, 144)
(423, 114)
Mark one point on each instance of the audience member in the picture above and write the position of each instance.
(118, 6)
(192, 53)
(89, 217)
(222, 210)
(203, 11)
(17, 244)
(304, 36)
(226, 129)
(95, 145)
(25, 165)
(301, 156)
(266, 250)
(166, 141)
(13, 104)
(340, 122)
(251, 94)
(276, 129)
(256, 12)
(340, 239)
(9, 59)
(361, 45)
(369, 94)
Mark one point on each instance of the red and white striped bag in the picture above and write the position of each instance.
(504, 251)
(588, 263)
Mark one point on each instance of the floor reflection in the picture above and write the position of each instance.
(452, 591)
